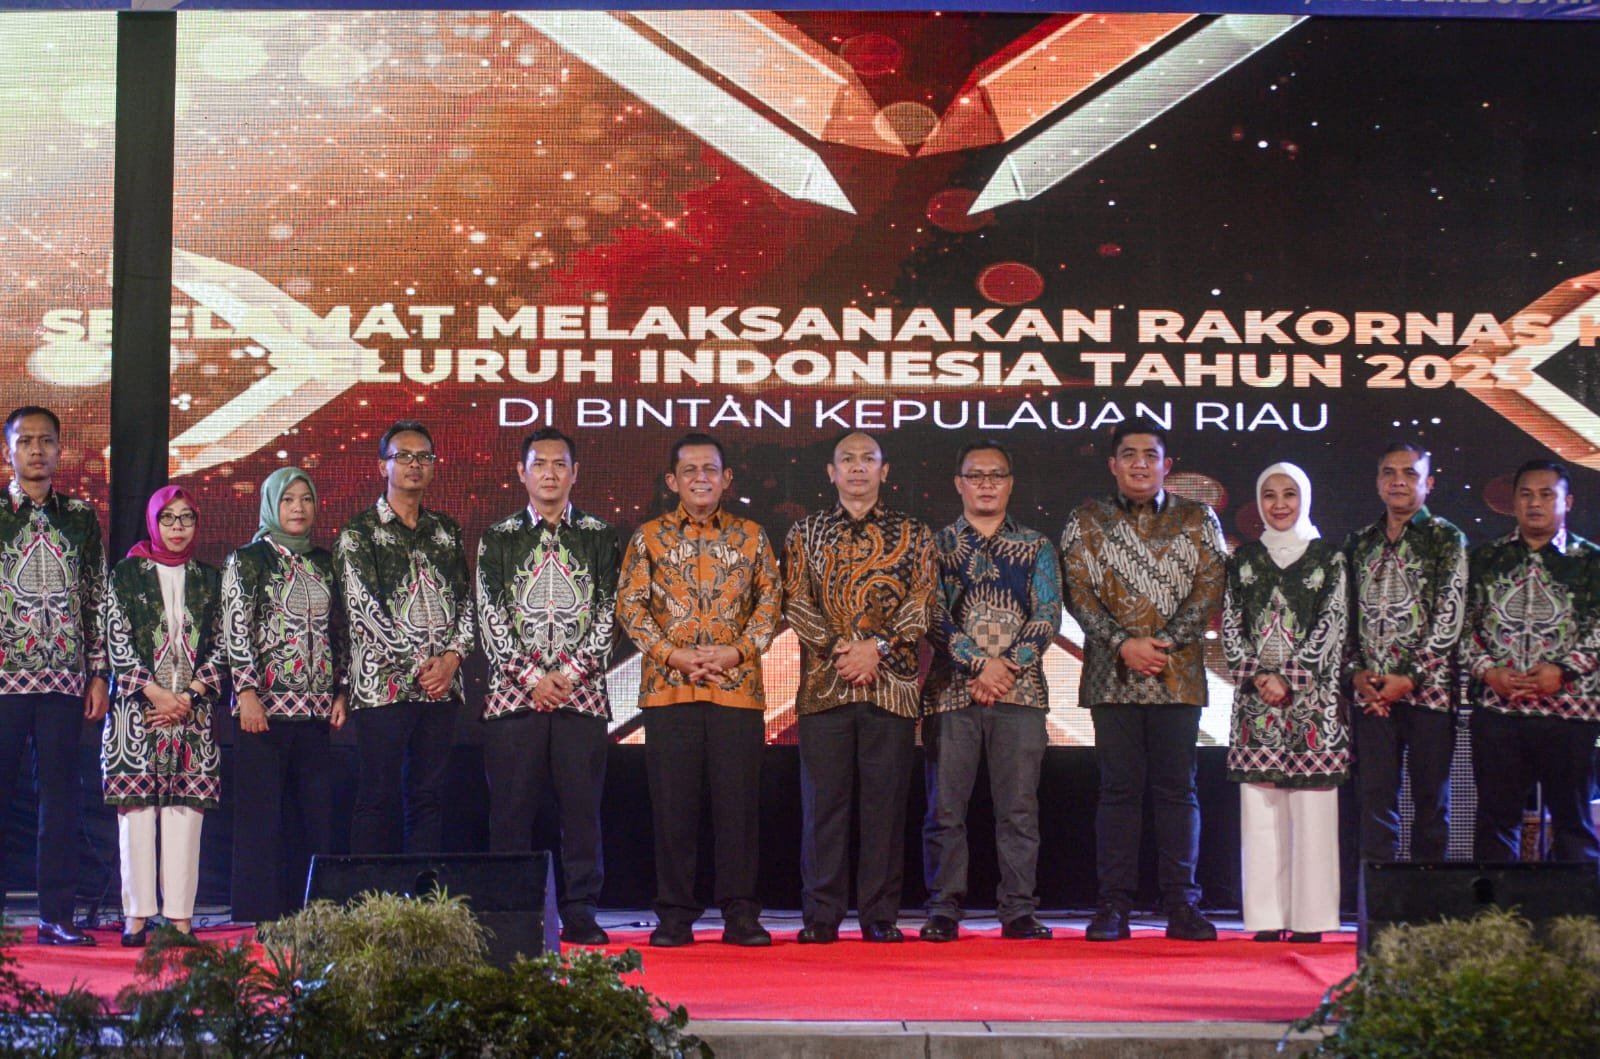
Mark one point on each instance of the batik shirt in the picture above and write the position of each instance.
(999, 597)
(52, 584)
(687, 583)
(846, 579)
(548, 597)
(407, 598)
(283, 623)
(1132, 570)
(1527, 606)
(174, 764)
(1408, 603)
(1290, 621)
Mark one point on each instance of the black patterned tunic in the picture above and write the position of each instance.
(52, 584)
(1292, 622)
(1409, 599)
(1526, 607)
(283, 623)
(548, 597)
(177, 764)
(407, 598)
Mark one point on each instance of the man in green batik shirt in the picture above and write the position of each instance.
(547, 591)
(408, 600)
(1408, 584)
(1533, 622)
(53, 666)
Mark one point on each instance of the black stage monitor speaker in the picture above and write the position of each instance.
(1427, 892)
(512, 894)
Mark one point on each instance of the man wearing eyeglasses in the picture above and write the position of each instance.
(999, 607)
(53, 667)
(547, 595)
(403, 569)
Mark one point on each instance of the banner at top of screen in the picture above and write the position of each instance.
(1433, 9)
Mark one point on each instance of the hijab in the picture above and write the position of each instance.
(153, 549)
(277, 483)
(1285, 546)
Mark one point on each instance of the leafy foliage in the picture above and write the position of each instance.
(387, 977)
(1486, 986)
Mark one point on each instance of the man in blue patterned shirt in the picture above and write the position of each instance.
(999, 606)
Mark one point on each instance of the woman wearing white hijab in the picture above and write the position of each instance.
(1283, 633)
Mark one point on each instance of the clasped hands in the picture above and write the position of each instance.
(167, 708)
(1536, 682)
(1145, 654)
(705, 663)
(1378, 692)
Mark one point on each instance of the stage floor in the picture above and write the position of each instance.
(981, 978)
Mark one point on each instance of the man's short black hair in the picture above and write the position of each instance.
(31, 410)
(833, 446)
(1138, 426)
(1531, 466)
(548, 434)
(983, 445)
(695, 438)
(404, 426)
(1422, 454)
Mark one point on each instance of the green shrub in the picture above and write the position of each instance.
(1489, 986)
(385, 978)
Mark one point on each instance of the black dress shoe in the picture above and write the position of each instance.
(939, 928)
(137, 939)
(1185, 923)
(62, 934)
(1304, 937)
(881, 933)
(1267, 935)
(1110, 923)
(671, 937)
(818, 934)
(751, 935)
(1026, 927)
(584, 933)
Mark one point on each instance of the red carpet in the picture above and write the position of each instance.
(980, 978)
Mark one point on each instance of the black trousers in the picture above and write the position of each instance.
(403, 747)
(282, 815)
(857, 744)
(1430, 736)
(526, 755)
(52, 724)
(1141, 747)
(691, 749)
(1511, 754)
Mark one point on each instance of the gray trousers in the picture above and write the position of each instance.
(1014, 739)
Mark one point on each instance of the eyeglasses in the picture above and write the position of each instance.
(427, 459)
(188, 518)
(979, 477)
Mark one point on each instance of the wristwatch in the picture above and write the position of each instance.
(884, 647)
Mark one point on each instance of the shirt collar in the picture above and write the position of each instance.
(1559, 542)
(718, 519)
(536, 520)
(387, 513)
(19, 498)
(1159, 503)
(1007, 526)
(874, 514)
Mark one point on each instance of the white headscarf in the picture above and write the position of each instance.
(1285, 546)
